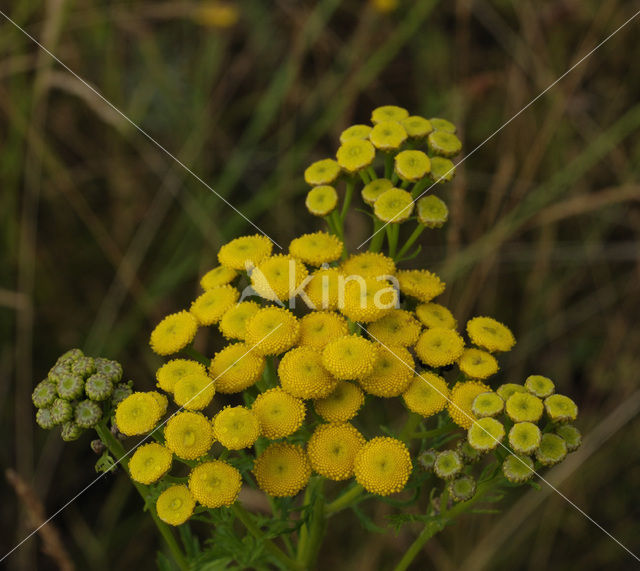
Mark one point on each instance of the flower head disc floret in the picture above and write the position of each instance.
(427, 394)
(245, 250)
(236, 367)
(383, 466)
(317, 248)
(282, 470)
(279, 413)
(215, 484)
(188, 435)
(349, 358)
(170, 373)
(149, 463)
(392, 373)
(175, 505)
(342, 404)
(272, 330)
(302, 374)
(173, 333)
(233, 324)
(462, 397)
(490, 334)
(137, 414)
(318, 328)
(321, 200)
(438, 347)
(332, 449)
(322, 172)
(236, 427)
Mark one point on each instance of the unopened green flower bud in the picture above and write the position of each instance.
(83, 367)
(561, 408)
(462, 488)
(98, 387)
(517, 469)
(485, 434)
(57, 372)
(44, 394)
(61, 411)
(71, 431)
(121, 392)
(525, 437)
(97, 446)
(442, 125)
(508, 389)
(44, 418)
(469, 454)
(110, 369)
(442, 170)
(427, 459)
(70, 386)
(70, 357)
(487, 404)
(552, 449)
(448, 464)
(432, 211)
(88, 414)
(524, 407)
(539, 386)
(571, 435)
(444, 144)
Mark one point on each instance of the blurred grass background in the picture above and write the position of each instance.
(102, 234)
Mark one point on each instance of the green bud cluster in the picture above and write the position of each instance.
(77, 392)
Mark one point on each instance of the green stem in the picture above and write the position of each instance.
(419, 186)
(311, 533)
(117, 450)
(410, 426)
(372, 173)
(347, 199)
(378, 236)
(195, 354)
(345, 500)
(393, 233)
(337, 224)
(364, 176)
(411, 240)
(388, 165)
(247, 520)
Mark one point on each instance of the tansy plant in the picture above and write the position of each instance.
(342, 381)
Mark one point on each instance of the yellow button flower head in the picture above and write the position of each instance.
(439, 347)
(279, 413)
(355, 132)
(490, 334)
(321, 200)
(412, 165)
(332, 449)
(524, 437)
(383, 465)
(442, 125)
(215, 484)
(213, 303)
(477, 364)
(277, 277)
(444, 144)
(421, 284)
(552, 449)
(560, 408)
(317, 248)
(323, 288)
(175, 505)
(487, 404)
(161, 400)
(173, 333)
(394, 206)
(245, 250)
(374, 189)
(432, 212)
(388, 135)
(392, 373)
(427, 394)
(369, 265)
(149, 463)
(507, 389)
(317, 328)
(351, 357)
(462, 397)
(217, 277)
(194, 392)
(322, 172)
(137, 414)
(233, 324)
(282, 470)
(236, 427)
(540, 386)
(388, 113)
(188, 435)
(302, 374)
(398, 327)
(571, 435)
(342, 404)
(521, 407)
(355, 154)
(368, 299)
(485, 434)
(517, 469)
(272, 331)
(170, 373)
(435, 315)
(416, 126)
(235, 368)
(442, 170)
